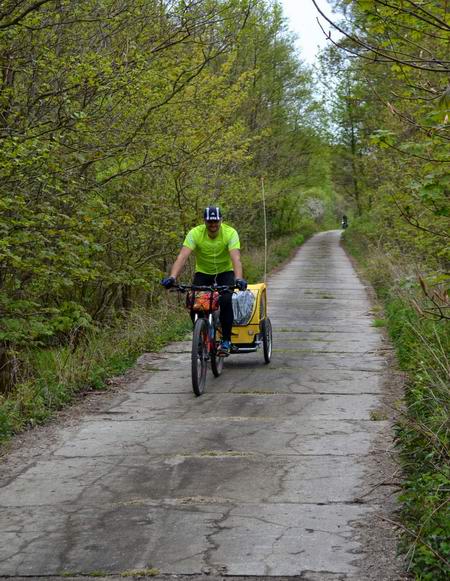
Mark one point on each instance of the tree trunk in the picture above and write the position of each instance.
(7, 369)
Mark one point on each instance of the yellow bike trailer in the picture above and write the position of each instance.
(253, 329)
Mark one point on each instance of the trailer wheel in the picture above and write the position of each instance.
(267, 339)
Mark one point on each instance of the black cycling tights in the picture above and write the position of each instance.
(225, 301)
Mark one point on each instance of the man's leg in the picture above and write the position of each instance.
(226, 304)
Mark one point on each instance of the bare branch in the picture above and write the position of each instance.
(23, 14)
(413, 63)
(443, 25)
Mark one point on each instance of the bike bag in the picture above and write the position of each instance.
(205, 301)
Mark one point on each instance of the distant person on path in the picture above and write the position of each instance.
(344, 222)
(216, 248)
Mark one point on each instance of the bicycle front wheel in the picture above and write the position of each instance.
(199, 363)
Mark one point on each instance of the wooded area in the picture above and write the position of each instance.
(121, 119)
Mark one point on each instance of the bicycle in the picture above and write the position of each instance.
(205, 306)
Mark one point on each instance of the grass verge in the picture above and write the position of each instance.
(422, 346)
(54, 376)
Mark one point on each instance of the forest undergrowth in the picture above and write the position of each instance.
(422, 346)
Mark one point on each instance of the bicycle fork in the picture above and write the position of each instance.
(210, 343)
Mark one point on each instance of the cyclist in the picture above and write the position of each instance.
(216, 248)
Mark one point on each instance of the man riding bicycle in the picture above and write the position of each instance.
(216, 248)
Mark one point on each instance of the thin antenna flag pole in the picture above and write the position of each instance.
(265, 228)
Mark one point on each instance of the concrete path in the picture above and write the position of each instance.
(270, 473)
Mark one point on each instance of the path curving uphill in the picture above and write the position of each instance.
(277, 471)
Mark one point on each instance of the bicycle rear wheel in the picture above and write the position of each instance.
(199, 357)
(216, 363)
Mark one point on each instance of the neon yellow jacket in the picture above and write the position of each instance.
(212, 255)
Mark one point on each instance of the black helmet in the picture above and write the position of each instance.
(212, 213)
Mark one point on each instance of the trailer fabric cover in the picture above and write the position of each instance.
(243, 302)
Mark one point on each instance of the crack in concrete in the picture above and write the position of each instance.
(7, 481)
(213, 545)
(22, 547)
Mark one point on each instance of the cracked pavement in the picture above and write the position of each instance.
(274, 472)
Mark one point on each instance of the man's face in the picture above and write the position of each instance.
(213, 227)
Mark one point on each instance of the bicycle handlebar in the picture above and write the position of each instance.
(195, 287)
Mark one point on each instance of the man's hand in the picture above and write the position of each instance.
(241, 283)
(168, 282)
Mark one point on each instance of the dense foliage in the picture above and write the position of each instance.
(119, 121)
(391, 109)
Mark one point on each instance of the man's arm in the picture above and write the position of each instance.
(235, 256)
(180, 262)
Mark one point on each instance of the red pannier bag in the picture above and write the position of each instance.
(201, 301)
